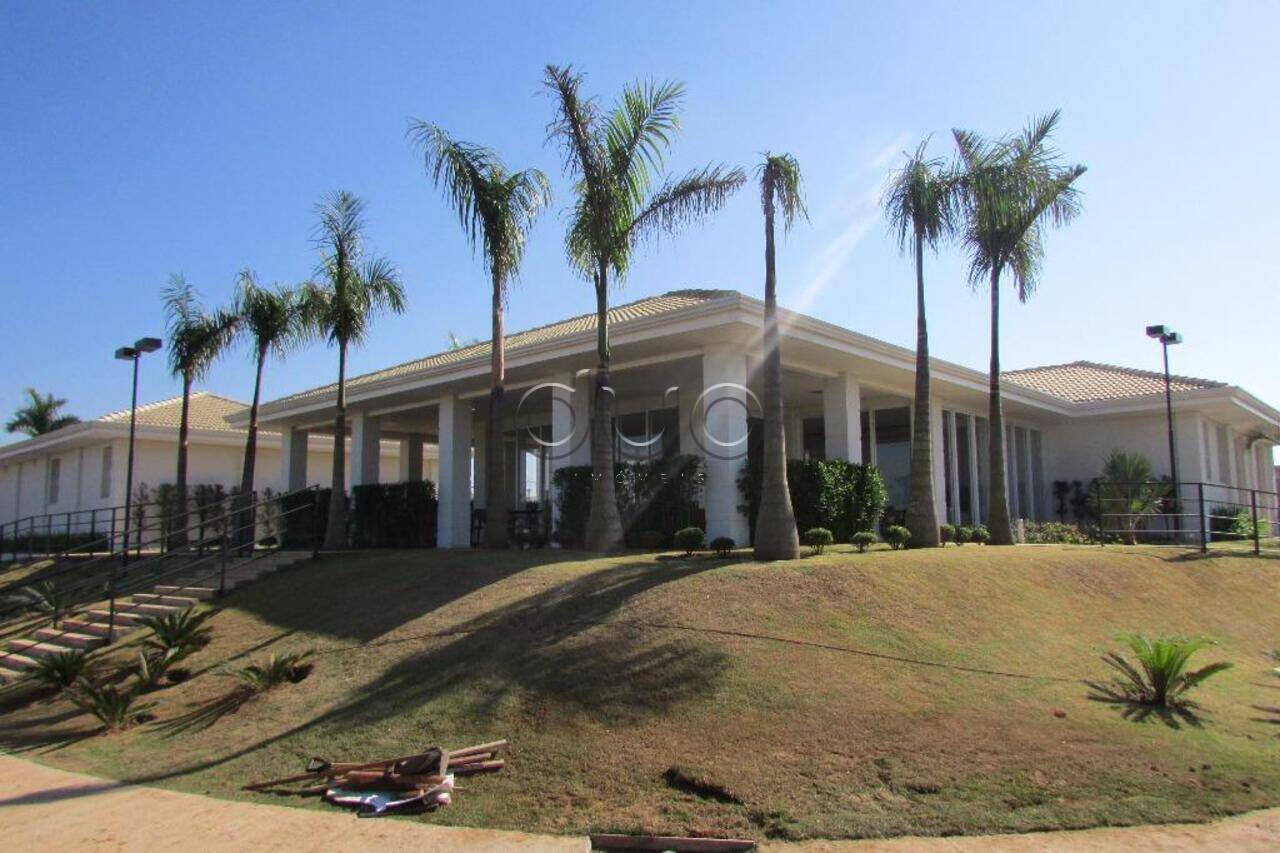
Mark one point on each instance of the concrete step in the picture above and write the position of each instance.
(201, 593)
(182, 601)
(69, 638)
(15, 661)
(87, 626)
(8, 676)
(147, 610)
(124, 618)
(38, 648)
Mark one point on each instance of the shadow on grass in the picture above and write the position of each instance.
(1137, 711)
(205, 714)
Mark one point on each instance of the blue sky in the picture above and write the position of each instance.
(145, 139)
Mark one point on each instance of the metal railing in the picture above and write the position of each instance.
(1198, 514)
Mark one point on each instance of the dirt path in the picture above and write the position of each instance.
(46, 809)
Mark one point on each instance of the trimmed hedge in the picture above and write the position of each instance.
(393, 515)
(844, 497)
(662, 496)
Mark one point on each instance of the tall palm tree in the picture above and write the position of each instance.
(1011, 189)
(496, 208)
(352, 290)
(196, 339)
(40, 415)
(614, 159)
(921, 205)
(271, 319)
(776, 536)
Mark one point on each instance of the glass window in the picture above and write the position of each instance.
(664, 425)
(963, 460)
(1026, 497)
(55, 476)
(104, 486)
(815, 439)
(864, 420)
(948, 453)
(893, 453)
(1037, 473)
(984, 465)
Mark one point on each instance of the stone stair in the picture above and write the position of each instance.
(89, 629)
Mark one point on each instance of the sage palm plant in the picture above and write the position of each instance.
(271, 319)
(196, 339)
(776, 535)
(615, 159)
(497, 209)
(351, 290)
(1012, 188)
(921, 205)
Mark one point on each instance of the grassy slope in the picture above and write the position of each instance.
(604, 672)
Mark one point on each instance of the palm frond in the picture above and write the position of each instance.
(922, 200)
(270, 317)
(640, 127)
(782, 187)
(196, 338)
(686, 199)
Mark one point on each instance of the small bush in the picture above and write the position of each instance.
(690, 539)
(59, 671)
(1163, 679)
(964, 534)
(150, 667)
(723, 546)
(276, 670)
(862, 540)
(897, 536)
(981, 534)
(1055, 533)
(652, 540)
(46, 597)
(179, 633)
(817, 539)
(946, 533)
(114, 708)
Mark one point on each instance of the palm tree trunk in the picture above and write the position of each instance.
(246, 533)
(495, 469)
(604, 525)
(776, 536)
(998, 516)
(335, 534)
(922, 516)
(178, 537)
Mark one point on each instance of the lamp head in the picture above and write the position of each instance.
(1158, 331)
(147, 344)
(126, 353)
(1171, 338)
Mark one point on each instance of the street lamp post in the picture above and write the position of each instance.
(133, 353)
(1167, 336)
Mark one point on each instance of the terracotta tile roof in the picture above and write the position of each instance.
(1087, 381)
(620, 315)
(206, 411)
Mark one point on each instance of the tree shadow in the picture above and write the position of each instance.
(205, 714)
(1137, 711)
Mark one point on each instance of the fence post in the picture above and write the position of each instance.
(315, 523)
(1097, 500)
(1204, 530)
(1257, 540)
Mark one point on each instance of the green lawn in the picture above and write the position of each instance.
(875, 694)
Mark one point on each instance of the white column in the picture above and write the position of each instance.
(411, 458)
(937, 461)
(366, 447)
(80, 478)
(453, 519)
(293, 459)
(841, 418)
(1233, 470)
(724, 411)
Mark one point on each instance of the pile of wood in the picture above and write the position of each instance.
(424, 778)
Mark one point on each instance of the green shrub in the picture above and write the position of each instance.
(652, 540)
(897, 536)
(60, 670)
(113, 707)
(817, 539)
(862, 540)
(690, 539)
(1055, 533)
(393, 515)
(664, 496)
(47, 597)
(946, 533)
(841, 496)
(981, 534)
(276, 670)
(964, 534)
(150, 667)
(1163, 679)
(723, 546)
(179, 633)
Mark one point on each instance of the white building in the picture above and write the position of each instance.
(685, 370)
(81, 468)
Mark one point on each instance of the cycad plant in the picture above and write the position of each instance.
(776, 537)
(47, 597)
(1128, 493)
(150, 666)
(116, 708)
(921, 204)
(1011, 189)
(275, 670)
(179, 633)
(60, 670)
(614, 160)
(496, 209)
(196, 339)
(1160, 677)
(351, 290)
